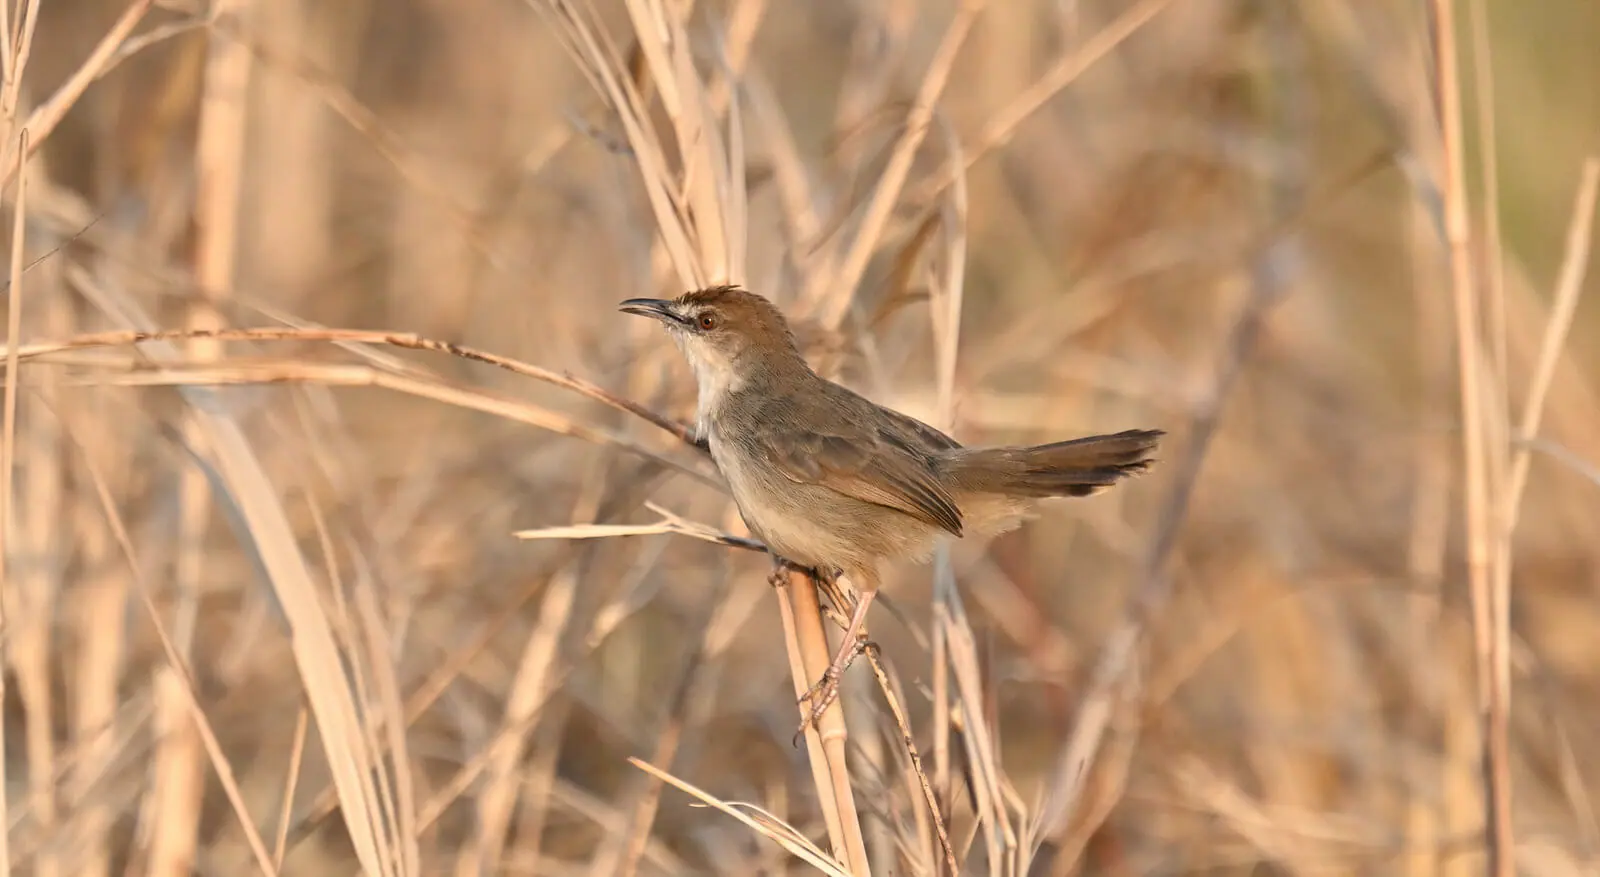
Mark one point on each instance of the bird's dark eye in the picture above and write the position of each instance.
(707, 321)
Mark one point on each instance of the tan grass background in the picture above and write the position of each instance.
(263, 605)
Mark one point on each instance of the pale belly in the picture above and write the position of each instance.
(815, 526)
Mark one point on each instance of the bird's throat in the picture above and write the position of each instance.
(716, 378)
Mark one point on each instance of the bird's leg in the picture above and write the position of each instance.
(826, 691)
(837, 600)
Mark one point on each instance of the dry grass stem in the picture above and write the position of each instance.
(354, 336)
(809, 659)
(291, 782)
(44, 118)
(227, 373)
(1564, 305)
(1491, 619)
(219, 156)
(8, 439)
(999, 829)
(909, 742)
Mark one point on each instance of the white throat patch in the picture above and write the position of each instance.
(713, 373)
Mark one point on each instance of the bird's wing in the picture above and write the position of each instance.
(909, 432)
(866, 468)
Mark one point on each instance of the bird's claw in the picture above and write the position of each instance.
(817, 700)
(821, 695)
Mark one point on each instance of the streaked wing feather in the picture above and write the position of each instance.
(913, 430)
(864, 471)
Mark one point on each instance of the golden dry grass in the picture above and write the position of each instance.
(347, 528)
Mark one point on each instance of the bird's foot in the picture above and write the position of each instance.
(781, 568)
(826, 690)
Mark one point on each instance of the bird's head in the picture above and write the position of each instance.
(725, 332)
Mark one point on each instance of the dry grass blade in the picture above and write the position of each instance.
(1278, 836)
(669, 524)
(8, 439)
(296, 371)
(601, 531)
(46, 116)
(696, 694)
(605, 623)
(1569, 288)
(799, 212)
(704, 175)
(179, 677)
(280, 841)
(1489, 173)
(779, 832)
(244, 483)
(999, 129)
(396, 786)
(598, 58)
(832, 292)
(1579, 466)
(887, 686)
(338, 718)
(17, 46)
(356, 336)
(950, 620)
(530, 691)
(1490, 623)
(219, 159)
(1000, 833)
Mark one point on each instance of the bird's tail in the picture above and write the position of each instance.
(1078, 467)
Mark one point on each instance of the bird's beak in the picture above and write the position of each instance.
(660, 309)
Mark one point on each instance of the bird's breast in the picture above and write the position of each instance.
(767, 501)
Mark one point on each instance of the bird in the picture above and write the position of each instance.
(834, 483)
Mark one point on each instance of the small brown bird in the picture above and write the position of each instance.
(831, 481)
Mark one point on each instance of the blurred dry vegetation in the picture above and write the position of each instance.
(1230, 226)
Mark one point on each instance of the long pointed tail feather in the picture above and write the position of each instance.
(1078, 467)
